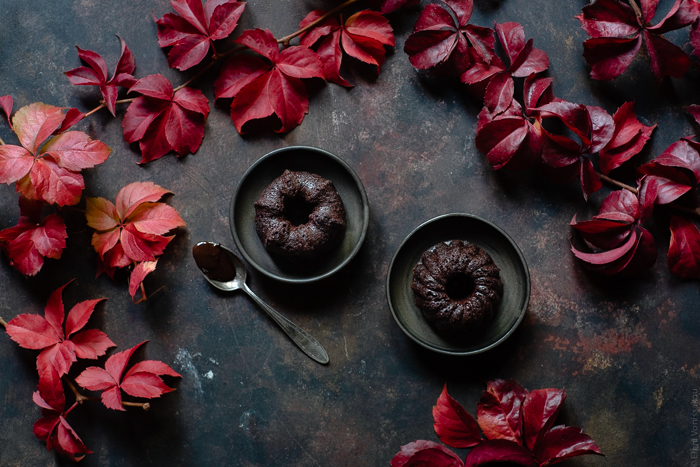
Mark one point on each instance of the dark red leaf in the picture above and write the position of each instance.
(602, 128)
(575, 116)
(616, 35)
(501, 139)
(675, 172)
(540, 410)
(425, 454)
(499, 410)
(95, 74)
(162, 120)
(500, 450)
(590, 182)
(537, 92)
(628, 139)
(453, 425)
(28, 243)
(648, 191)
(191, 32)
(684, 250)
(564, 442)
(620, 201)
(499, 94)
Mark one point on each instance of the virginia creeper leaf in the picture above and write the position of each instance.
(453, 425)
(425, 454)
(684, 250)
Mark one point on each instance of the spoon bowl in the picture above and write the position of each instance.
(224, 270)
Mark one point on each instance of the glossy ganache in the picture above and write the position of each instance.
(300, 216)
(457, 286)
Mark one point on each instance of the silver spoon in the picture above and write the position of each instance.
(226, 271)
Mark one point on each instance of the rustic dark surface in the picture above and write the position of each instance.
(626, 350)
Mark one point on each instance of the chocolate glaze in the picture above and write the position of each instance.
(214, 261)
(300, 216)
(457, 286)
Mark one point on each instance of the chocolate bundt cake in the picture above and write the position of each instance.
(457, 286)
(300, 216)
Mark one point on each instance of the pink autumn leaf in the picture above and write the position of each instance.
(138, 275)
(50, 172)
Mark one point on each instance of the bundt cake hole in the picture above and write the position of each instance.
(297, 209)
(459, 286)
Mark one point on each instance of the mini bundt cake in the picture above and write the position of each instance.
(457, 286)
(300, 216)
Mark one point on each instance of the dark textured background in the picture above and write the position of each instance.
(626, 350)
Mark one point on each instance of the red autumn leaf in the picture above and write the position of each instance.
(59, 349)
(524, 58)
(138, 275)
(422, 453)
(193, 30)
(441, 45)
(389, 6)
(95, 74)
(564, 442)
(684, 250)
(53, 427)
(6, 103)
(628, 139)
(164, 120)
(33, 238)
(500, 450)
(675, 172)
(142, 380)
(565, 159)
(134, 229)
(363, 36)
(617, 33)
(453, 425)
(499, 410)
(263, 88)
(50, 172)
(540, 409)
(617, 243)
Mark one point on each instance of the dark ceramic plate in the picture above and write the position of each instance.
(495, 242)
(261, 174)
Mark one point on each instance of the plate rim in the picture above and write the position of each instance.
(510, 331)
(365, 215)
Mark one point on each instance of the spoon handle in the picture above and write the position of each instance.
(303, 339)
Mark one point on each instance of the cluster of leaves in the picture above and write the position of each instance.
(528, 133)
(61, 346)
(132, 232)
(618, 29)
(517, 426)
(615, 241)
(45, 170)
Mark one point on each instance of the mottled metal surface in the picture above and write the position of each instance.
(626, 350)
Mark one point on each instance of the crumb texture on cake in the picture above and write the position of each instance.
(300, 216)
(457, 286)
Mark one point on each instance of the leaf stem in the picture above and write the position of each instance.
(99, 107)
(3, 323)
(2, 143)
(125, 101)
(677, 207)
(636, 9)
(79, 398)
(143, 405)
(285, 40)
(612, 181)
